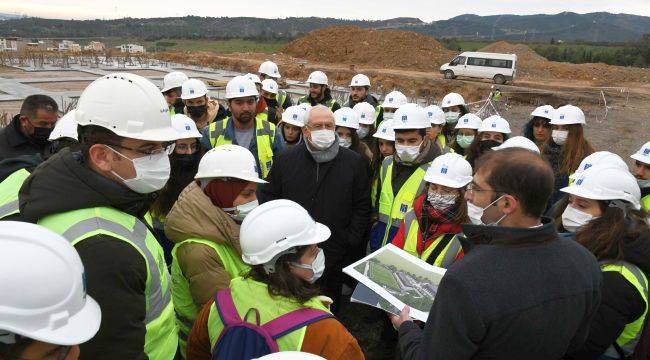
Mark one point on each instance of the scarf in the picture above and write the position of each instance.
(323, 156)
(436, 223)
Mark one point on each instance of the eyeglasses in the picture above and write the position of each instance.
(472, 187)
(328, 126)
(167, 148)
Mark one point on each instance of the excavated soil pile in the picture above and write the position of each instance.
(533, 66)
(385, 48)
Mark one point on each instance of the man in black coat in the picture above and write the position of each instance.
(331, 182)
(28, 132)
(520, 291)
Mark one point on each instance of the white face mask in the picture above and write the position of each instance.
(559, 136)
(363, 132)
(407, 153)
(345, 142)
(322, 139)
(451, 117)
(317, 267)
(475, 213)
(572, 218)
(388, 116)
(151, 172)
(240, 211)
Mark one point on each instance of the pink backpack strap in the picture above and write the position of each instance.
(226, 308)
(294, 320)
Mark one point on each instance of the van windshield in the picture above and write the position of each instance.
(458, 60)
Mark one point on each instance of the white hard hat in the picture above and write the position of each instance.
(239, 87)
(109, 101)
(518, 142)
(66, 127)
(385, 131)
(366, 113)
(394, 99)
(304, 106)
(360, 80)
(346, 117)
(275, 227)
(317, 77)
(294, 115)
(452, 99)
(270, 85)
(544, 111)
(567, 115)
(410, 117)
(254, 78)
(43, 287)
(435, 115)
(606, 183)
(469, 121)
(173, 80)
(193, 88)
(269, 68)
(495, 123)
(600, 159)
(185, 126)
(450, 170)
(290, 355)
(643, 155)
(228, 161)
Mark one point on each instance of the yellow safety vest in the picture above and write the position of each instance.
(9, 188)
(305, 99)
(281, 97)
(632, 331)
(161, 337)
(264, 134)
(393, 208)
(186, 309)
(450, 244)
(645, 203)
(248, 294)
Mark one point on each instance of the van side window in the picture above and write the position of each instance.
(459, 60)
(476, 61)
(507, 64)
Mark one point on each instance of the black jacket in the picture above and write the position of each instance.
(621, 303)
(335, 193)
(116, 273)
(517, 294)
(14, 143)
(553, 154)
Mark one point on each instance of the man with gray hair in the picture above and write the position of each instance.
(332, 183)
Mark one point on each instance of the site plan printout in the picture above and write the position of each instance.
(398, 277)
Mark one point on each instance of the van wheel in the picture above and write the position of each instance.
(449, 74)
(499, 79)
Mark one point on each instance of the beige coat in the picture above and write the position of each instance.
(211, 112)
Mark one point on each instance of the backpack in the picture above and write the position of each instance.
(243, 340)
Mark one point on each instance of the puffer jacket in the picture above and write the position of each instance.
(194, 216)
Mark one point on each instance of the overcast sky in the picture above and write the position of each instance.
(426, 10)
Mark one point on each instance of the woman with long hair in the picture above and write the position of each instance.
(466, 132)
(603, 215)
(493, 132)
(347, 125)
(567, 147)
(454, 107)
(429, 230)
(538, 128)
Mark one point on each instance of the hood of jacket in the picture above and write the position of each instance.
(194, 216)
(636, 250)
(64, 183)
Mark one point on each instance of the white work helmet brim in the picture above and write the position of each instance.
(641, 158)
(321, 234)
(435, 179)
(587, 194)
(233, 176)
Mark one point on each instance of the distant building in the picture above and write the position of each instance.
(71, 46)
(131, 48)
(95, 46)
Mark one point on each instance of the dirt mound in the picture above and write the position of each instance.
(385, 48)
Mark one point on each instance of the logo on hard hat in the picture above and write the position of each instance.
(390, 99)
(295, 116)
(363, 116)
(466, 121)
(191, 91)
(587, 166)
(494, 124)
(545, 111)
(448, 101)
(384, 130)
(241, 89)
(646, 151)
(579, 182)
(430, 114)
(345, 119)
(188, 128)
(404, 118)
(443, 170)
(561, 117)
(356, 81)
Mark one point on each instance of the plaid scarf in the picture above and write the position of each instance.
(435, 223)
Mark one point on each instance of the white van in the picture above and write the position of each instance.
(498, 67)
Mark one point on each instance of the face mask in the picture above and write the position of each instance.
(271, 102)
(486, 145)
(322, 139)
(388, 116)
(643, 183)
(363, 132)
(407, 153)
(346, 143)
(559, 136)
(197, 111)
(184, 161)
(241, 211)
(464, 141)
(451, 117)
(573, 218)
(151, 172)
(41, 134)
(318, 266)
(475, 213)
(441, 201)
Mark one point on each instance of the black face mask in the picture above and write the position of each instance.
(197, 111)
(41, 135)
(271, 102)
(183, 161)
(486, 145)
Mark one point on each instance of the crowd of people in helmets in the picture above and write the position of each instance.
(158, 223)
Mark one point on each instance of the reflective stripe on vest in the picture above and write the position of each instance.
(161, 337)
(186, 309)
(305, 99)
(645, 203)
(9, 188)
(393, 208)
(264, 135)
(281, 97)
(632, 331)
(446, 257)
(377, 112)
(247, 294)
